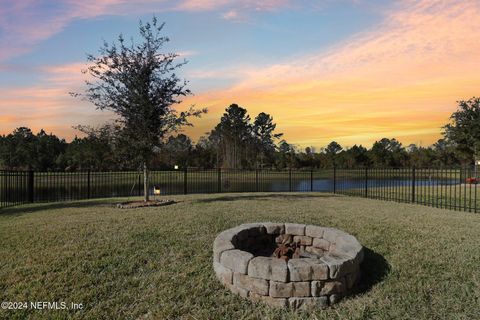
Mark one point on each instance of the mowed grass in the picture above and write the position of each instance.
(156, 263)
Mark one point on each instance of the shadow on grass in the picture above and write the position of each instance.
(30, 208)
(265, 196)
(374, 269)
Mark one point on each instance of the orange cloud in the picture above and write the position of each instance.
(48, 105)
(400, 81)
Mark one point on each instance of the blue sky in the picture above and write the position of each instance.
(261, 37)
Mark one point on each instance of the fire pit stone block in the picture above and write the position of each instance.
(321, 244)
(290, 289)
(268, 268)
(314, 231)
(258, 286)
(338, 266)
(324, 288)
(327, 269)
(236, 260)
(303, 240)
(295, 229)
(224, 275)
(300, 270)
(219, 247)
(244, 293)
(274, 228)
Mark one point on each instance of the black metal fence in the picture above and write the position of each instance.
(454, 188)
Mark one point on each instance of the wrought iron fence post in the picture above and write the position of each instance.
(3, 195)
(311, 180)
(465, 172)
(290, 179)
(89, 184)
(366, 182)
(334, 179)
(413, 185)
(219, 180)
(139, 188)
(185, 181)
(30, 185)
(256, 180)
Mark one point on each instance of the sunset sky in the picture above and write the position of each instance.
(352, 71)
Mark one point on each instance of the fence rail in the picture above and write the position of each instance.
(454, 188)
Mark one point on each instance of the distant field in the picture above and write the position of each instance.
(421, 263)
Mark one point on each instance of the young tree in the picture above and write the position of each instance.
(137, 81)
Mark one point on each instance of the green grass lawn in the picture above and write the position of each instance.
(156, 263)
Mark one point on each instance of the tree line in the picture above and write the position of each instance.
(240, 142)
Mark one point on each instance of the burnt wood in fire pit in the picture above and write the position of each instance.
(287, 251)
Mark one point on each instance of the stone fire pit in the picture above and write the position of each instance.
(319, 267)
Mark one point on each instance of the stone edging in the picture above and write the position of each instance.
(139, 204)
(302, 283)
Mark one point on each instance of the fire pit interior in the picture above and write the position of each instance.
(288, 265)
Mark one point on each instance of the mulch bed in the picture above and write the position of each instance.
(143, 204)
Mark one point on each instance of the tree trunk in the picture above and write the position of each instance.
(145, 182)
